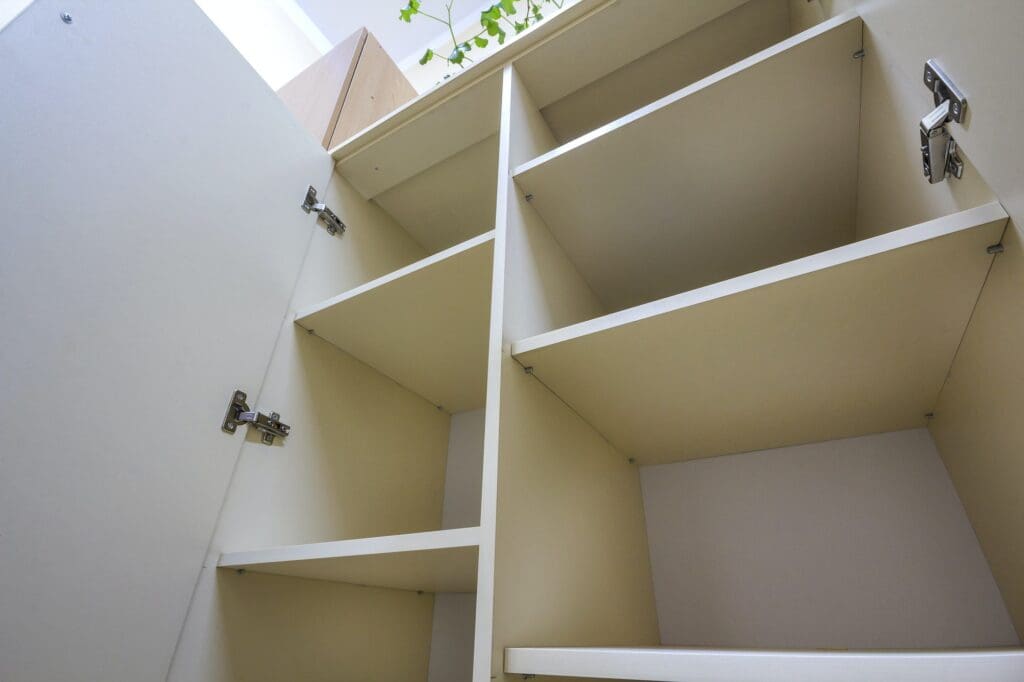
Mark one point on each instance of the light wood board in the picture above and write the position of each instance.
(745, 665)
(377, 87)
(851, 341)
(425, 326)
(750, 167)
(469, 116)
(438, 561)
(317, 94)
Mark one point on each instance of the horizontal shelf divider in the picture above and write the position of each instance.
(752, 166)
(435, 561)
(668, 664)
(851, 341)
(425, 325)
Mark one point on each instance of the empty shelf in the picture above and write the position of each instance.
(741, 665)
(438, 561)
(851, 341)
(693, 188)
(425, 326)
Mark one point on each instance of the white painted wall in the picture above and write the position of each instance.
(855, 543)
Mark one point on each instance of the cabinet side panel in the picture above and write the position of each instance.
(977, 424)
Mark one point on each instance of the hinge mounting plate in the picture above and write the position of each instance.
(239, 414)
(331, 220)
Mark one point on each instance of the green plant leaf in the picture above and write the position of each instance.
(457, 56)
(520, 27)
(480, 41)
(493, 28)
(427, 56)
(501, 36)
(491, 14)
(509, 6)
(405, 15)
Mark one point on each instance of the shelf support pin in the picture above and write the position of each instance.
(528, 197)
(859, 54)
(528, 370)
(995, 248)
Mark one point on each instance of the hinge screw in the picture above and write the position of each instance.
(929, 415)
(995, 248)
(240, 571)
(859, 54)
(528, 197)
(65, 17)
(528, 370)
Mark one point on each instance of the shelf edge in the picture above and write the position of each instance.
(688, 91)
(422, 264)
(890, 241)
(386, 544)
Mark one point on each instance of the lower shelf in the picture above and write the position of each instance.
(743, 665)
(438, 561)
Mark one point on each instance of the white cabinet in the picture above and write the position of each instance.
(642, 235)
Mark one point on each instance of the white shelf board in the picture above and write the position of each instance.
(437, 561)
(612, 38)
(847, 342)
(425, 326)
(742, 665)
(692, 189)
(457, 122)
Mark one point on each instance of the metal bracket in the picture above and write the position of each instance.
(331, 220)
(239, 414)
(938, 148)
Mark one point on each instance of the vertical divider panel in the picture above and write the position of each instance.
(563, 554)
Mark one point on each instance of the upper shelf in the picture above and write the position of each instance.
(665, 664)
(465, 118)
(851, 341)
(425, 326)
(692, 189)
(438, 561)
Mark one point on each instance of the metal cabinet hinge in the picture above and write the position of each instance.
(239, 414)
(331, 220)
(938, 148)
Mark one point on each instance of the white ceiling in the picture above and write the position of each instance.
(337, 19)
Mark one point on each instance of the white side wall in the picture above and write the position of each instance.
(855, 543)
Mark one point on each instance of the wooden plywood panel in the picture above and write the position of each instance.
(378, 87)
(438, 561)
(317, 94)
(738, 665)
(450, 202)
(465, 118)
(851, 341)
(977, 428)
(611, 38)
(143, 210)
(751, 27)
(750, 167)
(425, 326)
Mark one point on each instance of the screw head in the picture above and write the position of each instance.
(65, 17)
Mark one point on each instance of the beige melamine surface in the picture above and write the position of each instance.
(437, 561)
(612, 37)
(141, 211)
(977, 425)
(721, 42)
(317, 94)
(450, 202)
(693, 189)
(851, 341)
(425, 326)
(665, 664)
(460, 121)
